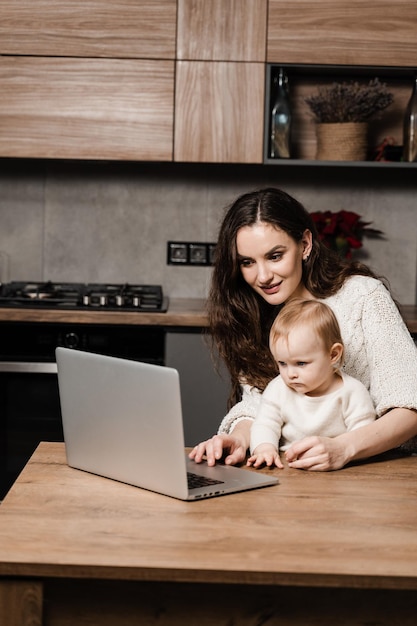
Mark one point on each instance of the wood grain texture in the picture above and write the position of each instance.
(355, 32)
(352, 528)
(90, 28)
(182, 312)
(21, 603)
(86, 108)
(219, 112)
(222, 30)
(319, 548)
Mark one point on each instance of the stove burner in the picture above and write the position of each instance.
(45, 291)
(114, 297)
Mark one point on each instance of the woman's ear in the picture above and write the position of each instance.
(336, 354)
(307, 241)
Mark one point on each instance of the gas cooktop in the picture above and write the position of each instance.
(111, 297)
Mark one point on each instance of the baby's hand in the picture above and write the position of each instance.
(265, 454)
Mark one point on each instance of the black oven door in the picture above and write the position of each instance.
(29, 413)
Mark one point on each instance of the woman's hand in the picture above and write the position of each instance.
(230, 447)
(318, 454)
(215, 448)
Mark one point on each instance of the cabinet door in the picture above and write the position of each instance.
(222, 30)
(219, 111)
(86, 108)
(204, 392)
(351, 32)
(91, 28)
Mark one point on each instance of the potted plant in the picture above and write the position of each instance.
(343, 231)
(342, 111)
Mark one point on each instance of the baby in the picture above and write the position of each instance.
(311, 396)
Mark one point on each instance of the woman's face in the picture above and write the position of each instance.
(271, 261)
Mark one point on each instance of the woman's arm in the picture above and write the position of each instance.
(322, 453)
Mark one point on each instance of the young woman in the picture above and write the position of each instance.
(268, 253)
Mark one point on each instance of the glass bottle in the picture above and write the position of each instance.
(410, 127)
(280, 118)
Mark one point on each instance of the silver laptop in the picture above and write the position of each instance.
(122, 419)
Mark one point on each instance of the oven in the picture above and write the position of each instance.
(29, 399)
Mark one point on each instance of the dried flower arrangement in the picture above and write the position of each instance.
(349, 102)
(342, 231)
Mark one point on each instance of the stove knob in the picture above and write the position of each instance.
(136, 301)
(86, 299)
(103, 300)
(71, 340)
(119, 300)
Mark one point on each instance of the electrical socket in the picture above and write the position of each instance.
(190, 253)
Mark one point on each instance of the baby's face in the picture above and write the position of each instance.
(304, 363)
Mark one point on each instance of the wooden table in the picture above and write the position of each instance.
(319, 548)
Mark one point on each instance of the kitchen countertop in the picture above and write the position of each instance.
(185, 312)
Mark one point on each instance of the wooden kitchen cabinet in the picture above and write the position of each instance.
(87, 80)
(220, 81)
(90, 28)
(219, 112)
(86, 108)
(350, 32)
(204, 391)
(222, 30)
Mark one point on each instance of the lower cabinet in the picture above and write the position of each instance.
(204, 391)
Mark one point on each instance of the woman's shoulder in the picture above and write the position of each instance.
(359, 287)
(359, 296)
(362, 284)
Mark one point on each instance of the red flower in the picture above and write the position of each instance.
(342, 231)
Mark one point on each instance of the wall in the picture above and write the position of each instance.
(109, 222)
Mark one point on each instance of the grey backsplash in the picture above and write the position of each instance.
(109, 222)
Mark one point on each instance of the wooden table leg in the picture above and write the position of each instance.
(21, 603)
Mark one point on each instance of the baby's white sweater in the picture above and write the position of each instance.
(286, 416)
(379, 350)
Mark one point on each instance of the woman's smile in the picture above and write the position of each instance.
(271, 289)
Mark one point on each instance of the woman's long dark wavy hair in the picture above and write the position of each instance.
(239, 318)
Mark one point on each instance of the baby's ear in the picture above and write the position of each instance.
(336, 353)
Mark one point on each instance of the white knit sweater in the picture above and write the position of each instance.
(286, 416)
(379, 350)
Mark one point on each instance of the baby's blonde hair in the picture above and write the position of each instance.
(318, 315)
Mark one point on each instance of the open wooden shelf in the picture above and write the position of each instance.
(304, 80)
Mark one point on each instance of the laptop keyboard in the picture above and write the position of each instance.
(195, 481)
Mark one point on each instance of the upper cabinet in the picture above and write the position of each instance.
(222, 30)
(181, 80)
(219, 115)
(349, 32)
(79, 108)
(220, 81)
(87, 80)
(128, 29)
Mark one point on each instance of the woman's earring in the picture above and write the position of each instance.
(305, 259)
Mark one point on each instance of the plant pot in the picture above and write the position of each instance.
(342, 142)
